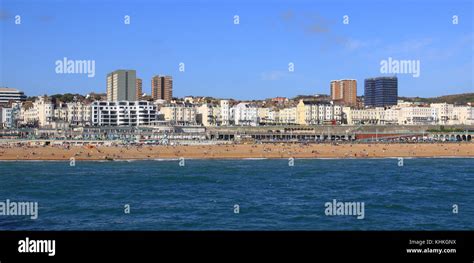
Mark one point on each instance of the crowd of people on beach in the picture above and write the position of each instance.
(115, 151)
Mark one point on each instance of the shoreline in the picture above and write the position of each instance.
(230, 159)
(237, 151)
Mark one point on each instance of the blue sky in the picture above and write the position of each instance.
(245, 61)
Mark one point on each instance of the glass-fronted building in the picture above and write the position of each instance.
(381, 91)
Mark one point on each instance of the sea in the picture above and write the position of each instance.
(245, 194)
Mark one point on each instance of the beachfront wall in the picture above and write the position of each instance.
(284, 133)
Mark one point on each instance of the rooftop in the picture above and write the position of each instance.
(8, 90)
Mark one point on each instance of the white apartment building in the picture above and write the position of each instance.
(263, 113)
(267, 115)
(6, 120)
(179, 113)
(40, 112)
(45, 110)
(461, 115)
(443, 112)
(313, 112)
(225, 112)
(390, 116)
(209, 114)
(416, 116)
(27, 115)
(365, 116)
(60, 112)
(334, 113)
(122, 113)
(79, 113)
(273, 116)
(245, 114)
(287, 116)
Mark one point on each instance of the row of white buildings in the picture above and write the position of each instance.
(44, 113)
(405, 113)
(316, 113)
(249, 114)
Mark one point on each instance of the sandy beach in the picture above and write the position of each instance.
(237, 151)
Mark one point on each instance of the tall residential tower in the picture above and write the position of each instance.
(139, 89)
(162, 88)
(344, 91)
(121, 85)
